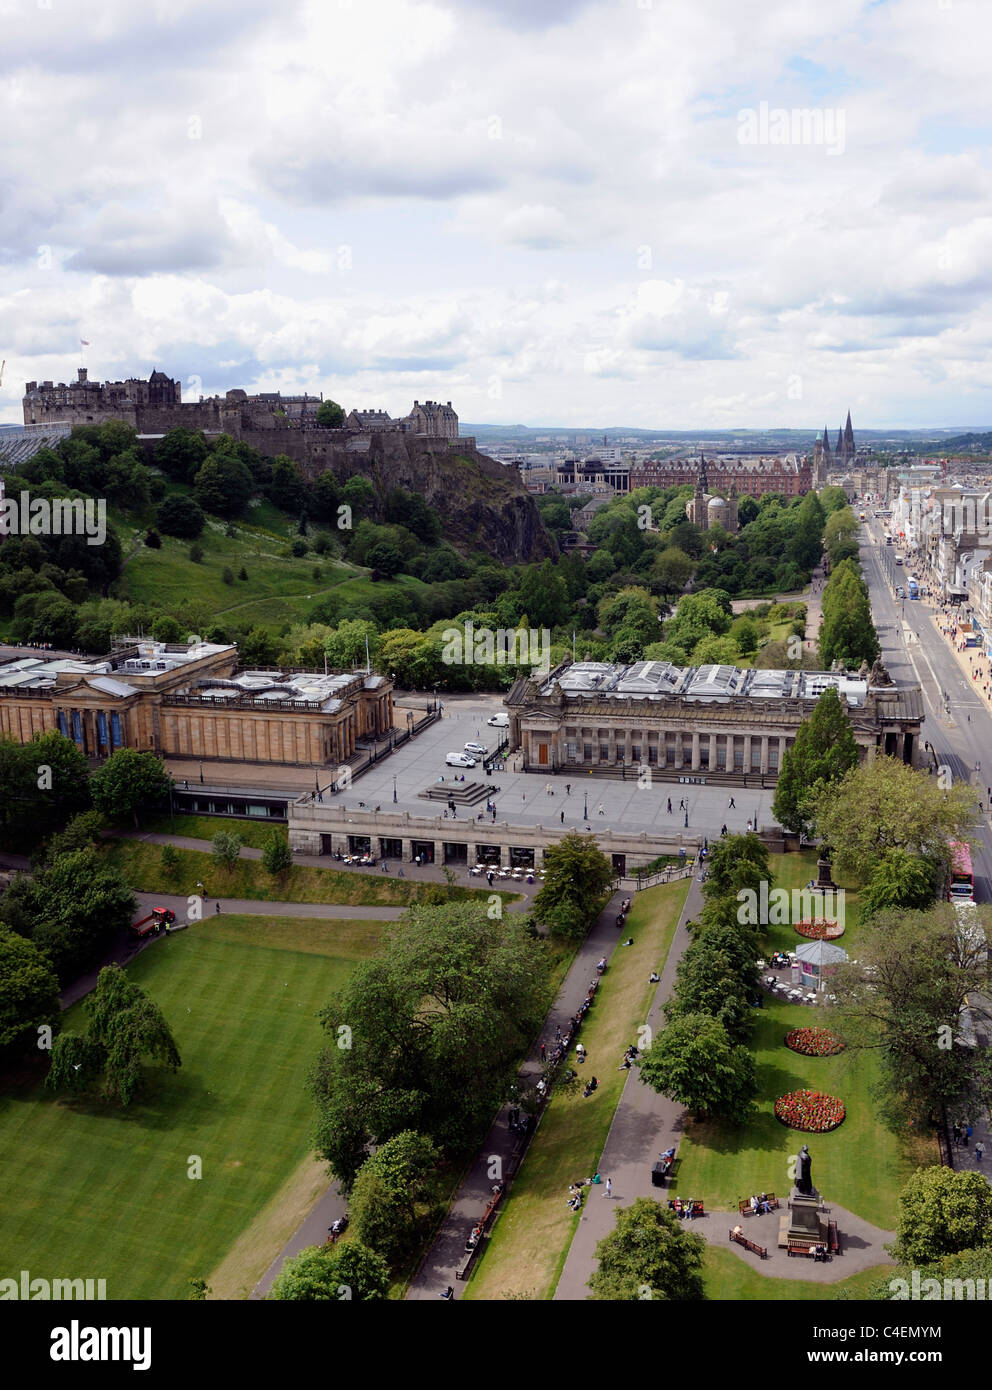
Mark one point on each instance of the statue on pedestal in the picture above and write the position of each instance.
(804, 1182)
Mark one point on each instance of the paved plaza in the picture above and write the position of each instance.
(522, 799)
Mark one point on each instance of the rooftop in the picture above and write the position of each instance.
(654, 679)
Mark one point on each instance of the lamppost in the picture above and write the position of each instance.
(585, 807)
(394, 788)
(201, 774)
(687, 818)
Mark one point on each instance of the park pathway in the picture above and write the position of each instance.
(437, 1270)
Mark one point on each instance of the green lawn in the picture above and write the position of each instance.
(860, 1166)
(94, 1191)
(534, 1229)
(255, 833)
(729, 1279)
(140, 861)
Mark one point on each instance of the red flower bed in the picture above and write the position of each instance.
(814, 1042)
(812, 1111)
(819, 928)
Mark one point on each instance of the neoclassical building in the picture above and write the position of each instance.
(705, 720)
(191, 701)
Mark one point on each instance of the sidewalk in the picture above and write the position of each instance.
(644, 1125)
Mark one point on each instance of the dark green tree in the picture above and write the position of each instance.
(942, 1213)
(649, 1255)
(277, 857)
(29, 991)
(824, 751)
(128, 781)
(180, 516)
(347, 1272)
(696, 1062)
(577, 875)
(392, 1204)
(330, 415)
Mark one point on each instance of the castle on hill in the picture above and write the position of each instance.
(156, 406)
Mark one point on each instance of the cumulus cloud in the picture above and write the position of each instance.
(540, 210)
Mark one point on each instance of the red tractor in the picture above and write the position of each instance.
(151, 925)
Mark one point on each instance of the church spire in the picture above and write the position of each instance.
(826, 441)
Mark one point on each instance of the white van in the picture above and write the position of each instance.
(499, 721)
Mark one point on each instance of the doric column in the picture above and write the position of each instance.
(764, 755)
(695, 752)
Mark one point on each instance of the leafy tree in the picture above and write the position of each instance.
(76, 1063)
(223, 485)
(330, 415)
(153, 540)
(299, 548)
(287, 487)
(847, 633)
(695, 1062)
(71, 910)
(577, 874)
(258, 648)
(42, 782)
(82, 832)
(196, 554)
(385, 558)
(714, 978)
(436, 1026)
(347, 1271)
(226, 848)
(649, 1249)
(325, 497)
(277, 857)
(824, 751)
(390, 1203)
(903, 999)
(180, 453)
(900, 880)
(170, 861)
(716, 651)
(671, 570)
(897, 808)
(227, 575)
(700, 615)
(29, 991)
(124, 1027)
(166, 628)
(345, 647)
(359, 495)
(180, 516)
(942, 1213)
(735, 862)
(127, 781)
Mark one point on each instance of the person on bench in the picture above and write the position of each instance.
(755, 1206)
(738, 1232)
(764, 1206)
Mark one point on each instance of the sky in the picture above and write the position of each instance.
(671, 214)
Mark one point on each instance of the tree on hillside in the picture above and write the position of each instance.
(330, 416)
(180, 452)
(348, 1272)
(125, 1026)
(346, 646)
(903, 1000)
(226, 849)
(277, 857)
(825, 749)
(942, 1213)
(649, 1254)
(428, 1034)
(577, 874)
(695, 1062)
(896, 808)
(29, 991)
(848, 633)
(128, 781)
(390, 1205)
(715, 977)
(223, 485)
(41, 782)
(180, 516)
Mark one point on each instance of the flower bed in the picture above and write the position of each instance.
(819, 928)
(814, 1042)
(812, 1111)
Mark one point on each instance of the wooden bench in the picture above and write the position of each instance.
(697, 1207)
(755, 1249)
(744, 1205)
(799, 1248)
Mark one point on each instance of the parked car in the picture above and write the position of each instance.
(499, 721)
(900, 591)
(476, 749)
(459, 760)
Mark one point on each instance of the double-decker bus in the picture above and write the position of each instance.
(961, 880)
(913, 588)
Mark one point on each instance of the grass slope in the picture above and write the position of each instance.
(140, 861)
(95, 1191)
(534, 1229)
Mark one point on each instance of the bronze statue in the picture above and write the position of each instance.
(804, 1183)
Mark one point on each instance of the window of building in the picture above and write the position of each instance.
(571, 752)
(587, 752)
(635, 752)
(652, 754)
(604, 752)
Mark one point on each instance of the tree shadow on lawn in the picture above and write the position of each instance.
(164, 1100)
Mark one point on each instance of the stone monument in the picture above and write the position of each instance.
(804, 1203)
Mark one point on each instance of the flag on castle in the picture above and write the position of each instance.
(83, 342)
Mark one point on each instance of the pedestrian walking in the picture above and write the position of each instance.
(543, 1051)
(568, 789)
(216, 907)
(979, 1151)
(602, 810)
(731, 806)
(669, 805)
(563, 817)
(967, 1136)
(609, 1188)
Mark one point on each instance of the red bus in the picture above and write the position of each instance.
(961, 885)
